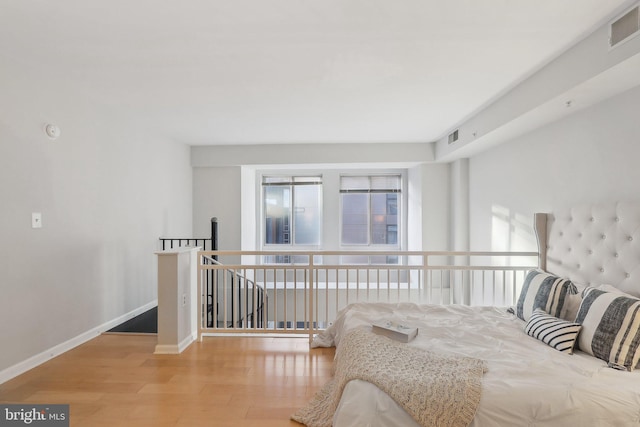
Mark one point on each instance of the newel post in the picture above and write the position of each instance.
(177, 299)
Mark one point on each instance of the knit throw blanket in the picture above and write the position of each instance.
(435, 389)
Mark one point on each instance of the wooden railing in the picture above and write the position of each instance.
(255, 292)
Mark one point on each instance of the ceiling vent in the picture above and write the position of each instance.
(453, 136)
(625, 27)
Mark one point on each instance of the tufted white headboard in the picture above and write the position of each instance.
(593, 245)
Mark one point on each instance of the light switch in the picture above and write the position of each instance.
(36, 220)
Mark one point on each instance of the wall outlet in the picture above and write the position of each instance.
(184, 299)
(36, 220)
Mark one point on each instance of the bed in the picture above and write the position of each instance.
(582, 373)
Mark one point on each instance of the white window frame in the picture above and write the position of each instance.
(291, 245)
(402, 217)
(331, 206)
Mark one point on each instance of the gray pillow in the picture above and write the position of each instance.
(543, 290)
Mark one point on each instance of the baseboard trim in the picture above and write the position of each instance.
(175, 348)
(166, 349)
(30, 363)
(186, 342)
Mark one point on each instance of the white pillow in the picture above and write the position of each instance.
(556, 333)
(572, 303)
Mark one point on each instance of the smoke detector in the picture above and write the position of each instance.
(52, 131)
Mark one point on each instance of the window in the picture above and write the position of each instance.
(370, 210)
(292, 210)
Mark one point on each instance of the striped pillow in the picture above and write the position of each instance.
(545, 291)
(557, 333)
(610, 328)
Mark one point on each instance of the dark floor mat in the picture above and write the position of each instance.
(145, 323)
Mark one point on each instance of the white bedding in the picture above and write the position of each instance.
(528, 382)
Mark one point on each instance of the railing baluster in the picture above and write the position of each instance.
(493, 288)
(214, 299)
(275, 301)
(483, 286)
(286, 297)
(338, 285)
(224, 299)
(368, 282)
(504, 287)
(450, 280)
(308, 273)
(326, 296)
(235, 298)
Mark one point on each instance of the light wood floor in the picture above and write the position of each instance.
(116, 380)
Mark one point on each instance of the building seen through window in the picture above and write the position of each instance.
(370, 210)
(367, 215)
(292, 210)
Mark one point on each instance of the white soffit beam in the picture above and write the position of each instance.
(616, 80)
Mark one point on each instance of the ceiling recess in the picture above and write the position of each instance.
(625, 27)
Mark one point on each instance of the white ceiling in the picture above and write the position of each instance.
(289, 71)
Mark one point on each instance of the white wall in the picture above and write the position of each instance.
(590, 156)
(225, 180)
(234, 168)
(460, 205)
(290, 155)
(436, 201)
(234, 204)
(216, 193)
(107, 191)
